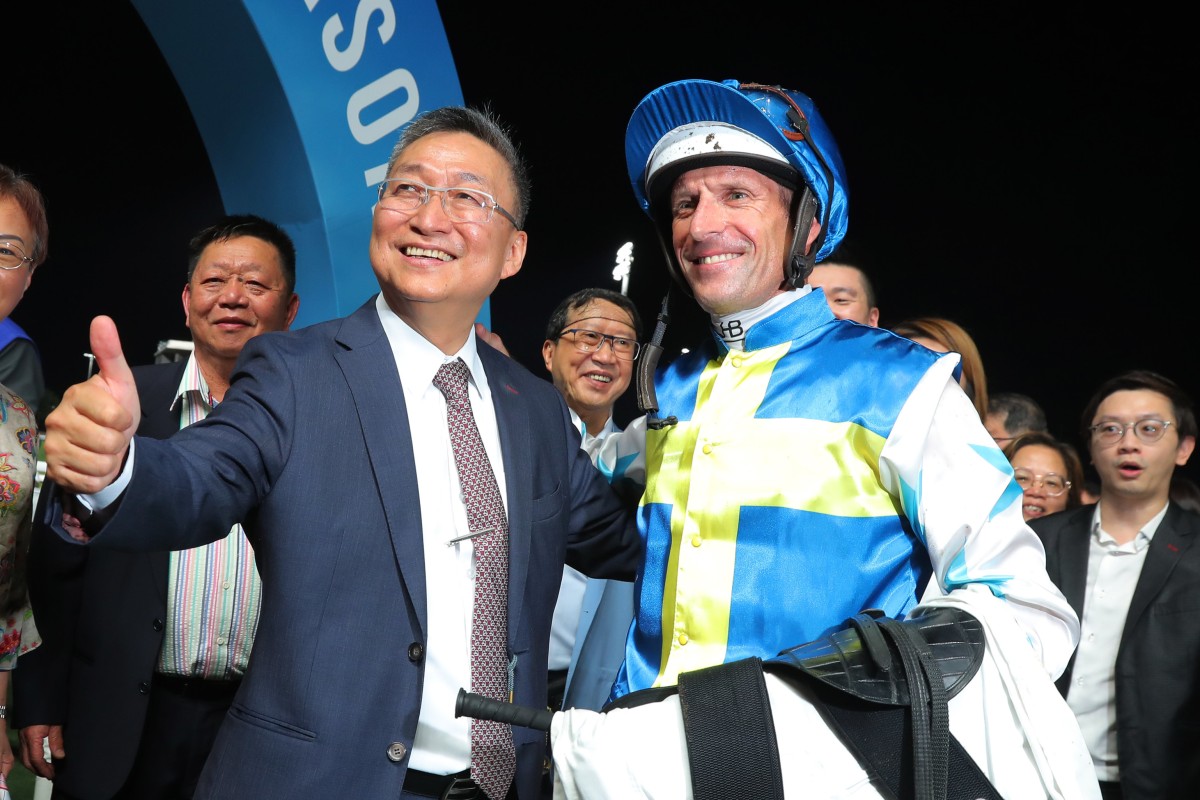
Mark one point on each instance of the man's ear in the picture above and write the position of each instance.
(1182, 453)
(814, 231)
(548, 354)
(187, 295)
(515, 256)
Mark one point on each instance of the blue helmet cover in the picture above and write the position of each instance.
(762, 114)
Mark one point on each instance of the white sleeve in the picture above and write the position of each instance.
(957, 491)
(108, 495)
(621, 455)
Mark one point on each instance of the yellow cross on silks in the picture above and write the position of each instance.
(723, 459)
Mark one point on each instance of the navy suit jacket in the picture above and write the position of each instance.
(311, 451)
(101, 616)
(1158, 660)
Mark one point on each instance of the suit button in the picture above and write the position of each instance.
(416, 651)
(158, 625)
(144, 687)
(397, 751)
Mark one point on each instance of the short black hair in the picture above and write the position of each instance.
(579, 299)
(1134, 380)
(484, 126)
(232, 226)
(1021, 412)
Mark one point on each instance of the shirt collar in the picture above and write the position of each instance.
(420, 357)
(1145, 535)
(192, 386)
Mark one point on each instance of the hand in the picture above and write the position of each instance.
(491, 338)
(33, 752)
(88, 434)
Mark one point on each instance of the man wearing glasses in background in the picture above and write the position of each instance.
(591, 343)
(1130, 567)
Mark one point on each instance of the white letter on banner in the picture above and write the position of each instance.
(377, 90)
(343, 60)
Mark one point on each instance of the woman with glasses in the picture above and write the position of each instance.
(1048, 471)
(23, 235)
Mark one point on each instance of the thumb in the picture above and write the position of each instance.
(106, 347)
(115, 375)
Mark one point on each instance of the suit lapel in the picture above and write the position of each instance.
(516, 427)
(1171, 541)
(367, 361)
(157, 387)
(1073, 547)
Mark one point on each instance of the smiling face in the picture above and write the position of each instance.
(435, 273)
(845, 292)
(237, 291)
(1130, 468)
(1039, 461)
(730, 232)
(591, 382)
(14, 227)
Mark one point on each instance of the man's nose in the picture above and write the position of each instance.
(234, 294)
(605, 354)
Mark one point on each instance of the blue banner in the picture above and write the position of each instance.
(299, 103)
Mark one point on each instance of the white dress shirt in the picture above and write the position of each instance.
(1113, 572)
(443, 743)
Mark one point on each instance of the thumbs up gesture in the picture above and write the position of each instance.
(88, 434)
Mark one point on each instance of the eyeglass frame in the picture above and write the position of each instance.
(1125, 426)
(604, 337)
(22, 258)
(444, 192)
(1036, 478)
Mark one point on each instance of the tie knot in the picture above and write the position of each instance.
(451, 378)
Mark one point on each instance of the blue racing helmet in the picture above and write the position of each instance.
(693, 123)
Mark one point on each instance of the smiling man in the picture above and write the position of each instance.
(411, 494)
(148, 650)
(590, 349)
(798, 469)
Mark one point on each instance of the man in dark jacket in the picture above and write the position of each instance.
(1130, 567)
(143, 652)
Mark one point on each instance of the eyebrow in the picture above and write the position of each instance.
(12, 236)
(458, 179)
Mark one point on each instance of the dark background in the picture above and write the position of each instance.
(1029, 174)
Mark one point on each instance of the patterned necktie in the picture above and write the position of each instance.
(493, 760)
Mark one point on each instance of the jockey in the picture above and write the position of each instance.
(798, 468)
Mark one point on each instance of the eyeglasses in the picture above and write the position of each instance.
(1148, 430)
(591, 341)
(1052, 482)
(460, 203)
(12, 255)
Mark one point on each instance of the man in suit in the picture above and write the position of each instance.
(368, 562)
(590, 347)
(146, 650)
(1130, 567)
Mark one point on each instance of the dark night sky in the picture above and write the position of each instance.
(1026, 175)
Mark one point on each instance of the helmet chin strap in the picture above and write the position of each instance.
(802, 259)
(646, 397)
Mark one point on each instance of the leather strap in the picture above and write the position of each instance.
(732, 750)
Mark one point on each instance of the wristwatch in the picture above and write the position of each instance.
(3, 712)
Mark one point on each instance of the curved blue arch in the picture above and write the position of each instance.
(299, 105)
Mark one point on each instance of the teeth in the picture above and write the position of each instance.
(423, 252)
(717, 259)
(602, 378)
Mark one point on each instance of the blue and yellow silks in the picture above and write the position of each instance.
(764, 516)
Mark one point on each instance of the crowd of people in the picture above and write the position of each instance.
(267, 570)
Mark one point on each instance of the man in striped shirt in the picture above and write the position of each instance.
(146, 651)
